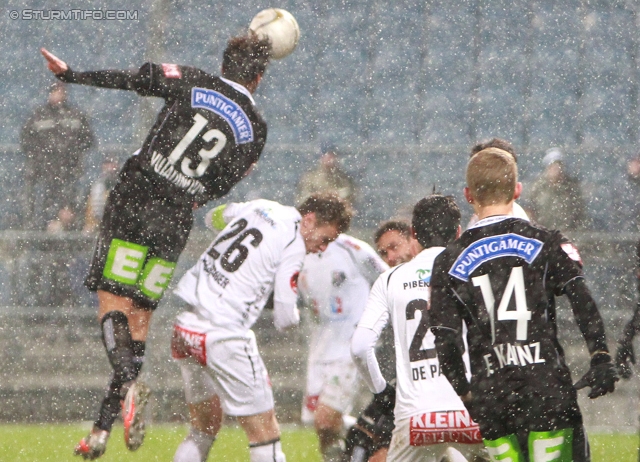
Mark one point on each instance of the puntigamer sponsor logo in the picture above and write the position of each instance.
(504, 245)
(226, 108)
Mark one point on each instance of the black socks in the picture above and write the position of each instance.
(126, 357)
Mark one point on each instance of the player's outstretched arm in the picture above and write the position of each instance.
(139, 81)
(625, 355)
(55, 64)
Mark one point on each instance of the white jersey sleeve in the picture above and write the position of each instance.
(285, 310)
(374, 319)
(363, 352)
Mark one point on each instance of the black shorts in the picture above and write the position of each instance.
(142, 234)
(544, 405)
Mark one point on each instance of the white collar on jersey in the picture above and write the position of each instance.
(491, 220)
(240, 88)
(429, 251)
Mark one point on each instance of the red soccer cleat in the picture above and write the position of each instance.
(133, 415)
(93, 445)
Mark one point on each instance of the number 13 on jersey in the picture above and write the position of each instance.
(521, 315)
(206, 155)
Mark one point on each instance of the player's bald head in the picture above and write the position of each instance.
(492, 176)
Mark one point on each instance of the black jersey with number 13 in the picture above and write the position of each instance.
(205, 138)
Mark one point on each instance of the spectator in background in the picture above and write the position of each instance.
(64, 221)
(633, 170)
(633, 176)
(98, 194)
(556, 198)
(54, 141)
(327, 177)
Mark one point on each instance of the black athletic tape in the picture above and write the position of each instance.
(117, 340)
(265, 443)
(138, 354)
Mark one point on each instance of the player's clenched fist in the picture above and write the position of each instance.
(55, 64)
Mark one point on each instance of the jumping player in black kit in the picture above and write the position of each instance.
(204, 141)
(500, 278)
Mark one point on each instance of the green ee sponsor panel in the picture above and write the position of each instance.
(551, 446)
(126, 265)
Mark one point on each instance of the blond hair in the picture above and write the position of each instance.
(492, 175)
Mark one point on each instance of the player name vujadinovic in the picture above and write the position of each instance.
(226, 108)
(503, 245)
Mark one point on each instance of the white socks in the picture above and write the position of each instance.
(269, 451)
(195, 447)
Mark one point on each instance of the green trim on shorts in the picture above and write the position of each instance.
(155, 277)
(505, 449)
(124, 261)
(551, 446)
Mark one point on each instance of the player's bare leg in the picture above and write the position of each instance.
(124, 330)
(380, 455)
(206, 420)
(328, 423)
(263, 433)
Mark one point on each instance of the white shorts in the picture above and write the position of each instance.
(334, 383)
(428, 436)
(231, 368)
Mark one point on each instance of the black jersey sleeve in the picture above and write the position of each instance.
(565, 273)
(632, 327)
(587, 315)
(564, 263)
(446, 325)
(150, 80)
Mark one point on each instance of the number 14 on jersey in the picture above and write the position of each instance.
(515, 286)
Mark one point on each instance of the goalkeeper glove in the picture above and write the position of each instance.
(601, 376)
(624, 356)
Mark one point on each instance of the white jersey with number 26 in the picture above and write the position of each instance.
(401, 295)
(259, 251)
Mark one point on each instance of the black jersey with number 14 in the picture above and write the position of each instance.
(501, 278)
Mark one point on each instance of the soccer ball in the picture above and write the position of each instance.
(280, 27)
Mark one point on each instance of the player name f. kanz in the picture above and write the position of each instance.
(506, 354)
